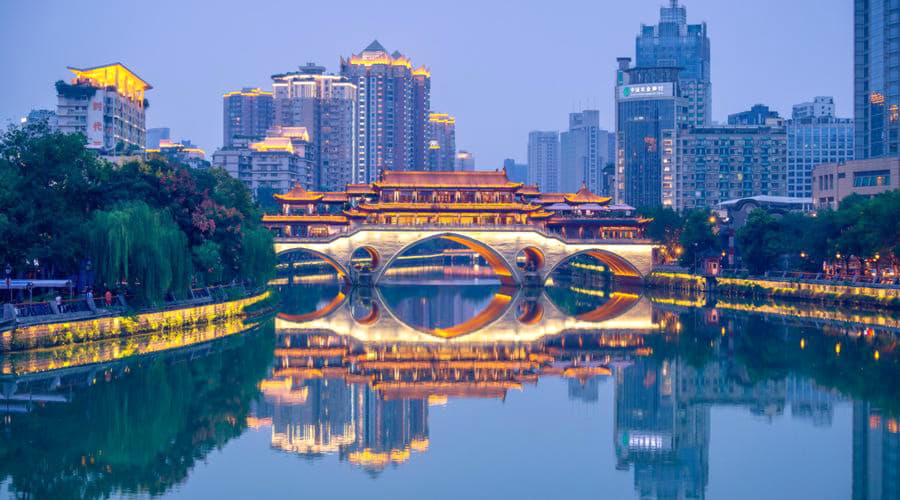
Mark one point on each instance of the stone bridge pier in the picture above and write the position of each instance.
(542, 253)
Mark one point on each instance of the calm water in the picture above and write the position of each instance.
(471, 390)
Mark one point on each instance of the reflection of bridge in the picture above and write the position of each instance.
(511, 316)
(501, 247)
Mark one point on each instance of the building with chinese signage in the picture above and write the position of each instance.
(107, 105)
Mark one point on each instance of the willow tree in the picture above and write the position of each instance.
(257, 254)
(141, 248)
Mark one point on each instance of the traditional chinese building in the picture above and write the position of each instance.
(452, 199)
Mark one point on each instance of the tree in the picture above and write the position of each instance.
(697, 238)
(665, 227)
(761, 241)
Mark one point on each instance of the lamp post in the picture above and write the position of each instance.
(9, 281)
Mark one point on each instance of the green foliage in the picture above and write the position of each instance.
(697, 238)
(665, 227)
(148, 225)
(762, 241)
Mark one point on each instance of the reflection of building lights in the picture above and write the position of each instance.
(837, 348)
(877, 355)
(802, 343)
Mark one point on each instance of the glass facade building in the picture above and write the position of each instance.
(877, 77)
(674, 43)
(649, 113)
(815, 136)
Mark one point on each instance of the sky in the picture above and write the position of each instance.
(503, 68)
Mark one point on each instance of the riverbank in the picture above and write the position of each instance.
(823, 292)
(120, 324)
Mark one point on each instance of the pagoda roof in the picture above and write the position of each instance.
(448, 207)
(375, 46)
(321, 219)
(359, 189)
(529, 190)
(550, 198)
(424, 179)
(298, 194)
(584, 195)
(335, 197)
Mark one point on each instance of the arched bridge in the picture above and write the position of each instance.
(628, 260)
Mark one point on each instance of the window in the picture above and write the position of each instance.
(872, 178)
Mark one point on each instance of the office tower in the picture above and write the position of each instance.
(721, 163)
(155, 135)
(759, 114)
(543, 160)
(246, 113)
(876, 66)
(516, 172)
(649, 112)
(107, 105)
(465, 162)
(675, 44)
(393, 103)
(326, 106)
(441, 142)
(584, 151)
(815, 136)
(44, 116)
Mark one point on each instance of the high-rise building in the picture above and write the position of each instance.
(246, 113)
(326, 106)
(393, 104)
(543, 160)
(876, 78)
(876, 453)
(280, 161)
(441, 142)
(107, 105)
(675, 44)
(759, 114)
(516, 172)
(155, 135)
(465, 162)
(815, 136)
(649, 113)
(45, 116)
(716, 164)
(584, 151)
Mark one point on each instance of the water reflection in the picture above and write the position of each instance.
(360, 379)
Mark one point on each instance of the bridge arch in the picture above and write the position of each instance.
(365, 257)
(501, 267)
(338, 268)
(619, 266)
(530, 259)
(493, 312)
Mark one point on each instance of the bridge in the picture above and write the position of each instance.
(503, 248)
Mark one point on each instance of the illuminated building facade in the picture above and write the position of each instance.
(246, 113)
(283, 159)
(451, 199)
(675, 44)
(326, 106)
(717, 164)
(179, 152)
(543, 160)
(876, 84)
(107, 105)
(393, 101)
(832, 182)
(649, 113)
(441, 142)
(464, 162)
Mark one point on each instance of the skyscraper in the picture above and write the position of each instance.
(584, 151)
(876, 78)
(107, 105)
(517, 172)
(815, 136)
(675, 44)
(393, 104)
(441, 142)
(759, 114)
(543, 160)
(246, 113)
(326, 106)
(649, 113)
(465, 162)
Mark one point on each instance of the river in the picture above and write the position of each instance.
(466, 389)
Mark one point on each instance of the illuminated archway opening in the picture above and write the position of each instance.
(298, 266)
(418, 312)
(530, 259)
(530, 312)
(464, 251)
(365, 259)
(365, 312)
(601, 262)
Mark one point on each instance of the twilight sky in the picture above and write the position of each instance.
(502, 67)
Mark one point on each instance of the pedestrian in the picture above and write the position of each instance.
(108, 298)
(59, 303)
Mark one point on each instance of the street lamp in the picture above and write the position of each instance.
(9, 281)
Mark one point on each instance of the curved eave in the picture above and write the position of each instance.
(310, 219)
